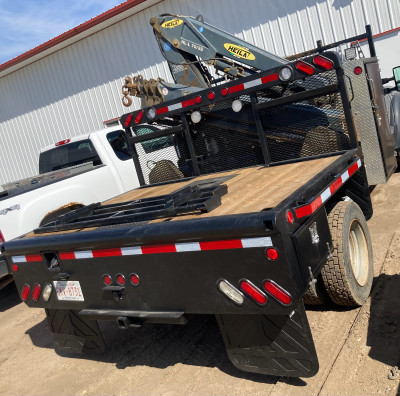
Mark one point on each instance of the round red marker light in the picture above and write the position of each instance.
(289, 217)
(15, 267)
(211, 95)
(272, 254)
(198, 99)
(358, 70)
(107, 280)
(121, 279)
(134, 279)
(224, 92)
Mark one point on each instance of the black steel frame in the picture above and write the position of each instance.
(181, 114)
(198, 196)
(321, 48)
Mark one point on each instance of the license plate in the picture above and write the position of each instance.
(68, 290)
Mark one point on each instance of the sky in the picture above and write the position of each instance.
(25, 24)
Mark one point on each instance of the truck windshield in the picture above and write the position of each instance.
(70, 154)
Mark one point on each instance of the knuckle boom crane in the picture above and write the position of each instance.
(190, 47)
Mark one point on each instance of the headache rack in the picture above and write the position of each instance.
(285, 117)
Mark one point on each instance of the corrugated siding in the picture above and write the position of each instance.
(75, 89)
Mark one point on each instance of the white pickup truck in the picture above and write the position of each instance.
(72, 173)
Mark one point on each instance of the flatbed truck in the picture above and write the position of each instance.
(263, 207)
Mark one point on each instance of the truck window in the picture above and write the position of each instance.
(70, 154)
(154, 144)
(119, 144)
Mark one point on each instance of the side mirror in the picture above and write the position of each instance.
(396, 75)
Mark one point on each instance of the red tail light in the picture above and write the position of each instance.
(62, 142)
(277, 292)
(272, 254)
(25, 292)
(305, 67)
(198, 99)
(15, 267)
(252, 291)
(211, 95)
(224, 92)
(36, 292)
(121, 279)
(323, 62)
(128, 120)
(1, 238)
(134, 279)
(139, 117)
(358, 70)
(289, 217)
(107, 280)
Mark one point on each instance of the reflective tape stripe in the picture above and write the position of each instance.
(131, 251)
(19, 259)
(217, 245)
(188, 247)
(251, 84)
(33, 257)
(256, 242)
(107, 252)
(164, 248)
(175, 106)
(84, 254)
(326, 194)
(236, 88)
(67, 256)
(267, 79)
(307, 210)
(254, 83)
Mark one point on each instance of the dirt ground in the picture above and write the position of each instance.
(357, 348)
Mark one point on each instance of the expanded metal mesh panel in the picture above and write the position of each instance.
(225, 139)
(301, 129)
(160, 158)
(296, 120)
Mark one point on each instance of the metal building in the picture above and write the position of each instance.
(72, 84)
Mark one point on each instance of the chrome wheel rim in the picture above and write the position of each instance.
(358, 253)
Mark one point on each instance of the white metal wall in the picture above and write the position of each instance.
(75, 89)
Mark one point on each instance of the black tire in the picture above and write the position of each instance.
(348, 274)
(317, 297)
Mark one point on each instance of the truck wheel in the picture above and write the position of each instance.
(348, 274)
(317, 297)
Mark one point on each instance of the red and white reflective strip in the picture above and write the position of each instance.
(253, 83)
(27, 259)
(176, 106)
(307, 210)
(243, 243)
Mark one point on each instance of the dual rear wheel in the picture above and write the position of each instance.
(346, 278)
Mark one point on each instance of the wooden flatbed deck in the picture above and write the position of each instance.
(249, 190)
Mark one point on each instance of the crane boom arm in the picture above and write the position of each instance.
(184, 40)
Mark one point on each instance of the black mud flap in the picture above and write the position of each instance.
(270, 344)
(72, 333)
